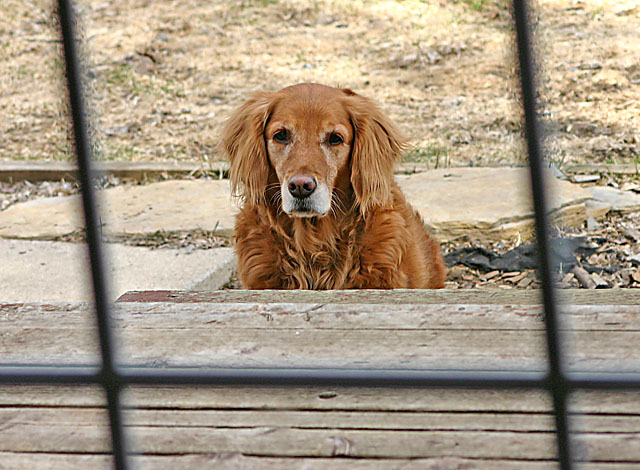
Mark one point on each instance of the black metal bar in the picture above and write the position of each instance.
(558, 387)
(83, 152)
(25, 374)
(383, 378)
(620, 381)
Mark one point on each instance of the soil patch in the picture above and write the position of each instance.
(162, 76)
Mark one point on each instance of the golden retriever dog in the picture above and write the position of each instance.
(313, 166)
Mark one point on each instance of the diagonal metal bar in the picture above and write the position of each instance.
(557, 381)
(109, 376)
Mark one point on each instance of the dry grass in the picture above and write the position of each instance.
(163, 75)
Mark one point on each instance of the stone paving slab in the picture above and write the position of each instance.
(620, 201)
(484, 203)
(488, 203)
(171, 206)
(43, 271)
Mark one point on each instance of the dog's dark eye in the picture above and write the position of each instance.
(281, 137)
(335, 139)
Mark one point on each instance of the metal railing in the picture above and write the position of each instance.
(112, 377)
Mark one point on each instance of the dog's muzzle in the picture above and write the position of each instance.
(303, 196)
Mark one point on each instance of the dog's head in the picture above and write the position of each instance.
(311, 144)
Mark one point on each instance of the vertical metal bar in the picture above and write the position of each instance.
(109, 377)
(557, 382)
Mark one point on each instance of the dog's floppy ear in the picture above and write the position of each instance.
(243, 143)
(377, 145)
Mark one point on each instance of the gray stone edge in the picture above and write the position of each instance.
(217, 277)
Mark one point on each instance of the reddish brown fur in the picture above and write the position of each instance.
(370, 238)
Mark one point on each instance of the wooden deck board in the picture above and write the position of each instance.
(12, 461)
(403, 296)
(317, 428)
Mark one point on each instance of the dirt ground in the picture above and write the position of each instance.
(162, 75)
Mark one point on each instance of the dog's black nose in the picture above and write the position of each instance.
(301, 186)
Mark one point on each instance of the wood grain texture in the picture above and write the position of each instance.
(433, 336)
(406, 296)
(313, 434)
(24, 461)
(316, 428)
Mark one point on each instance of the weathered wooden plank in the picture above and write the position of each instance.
(482, 429)
(27, 461)
(335, 399)
(278, 441)
(325, 316)
(296, 419)
(275, 442)
(317, 335)
(80, 417)
(605, 168)
(401, 296)
(20, 170)
(251, 347)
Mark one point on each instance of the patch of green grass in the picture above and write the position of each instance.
(124, 76)
(258, 3)
(118, 75)
(434, 155)
(490, 7)
(477, 5)
(122, 153)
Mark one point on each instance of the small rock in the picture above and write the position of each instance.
(632, 234)
(635, 187)
(590, 66)
(592, 224)
(410, 58)
(599, 282)
(568, 278)
(525, 282)
(433, 56)
(585, 178)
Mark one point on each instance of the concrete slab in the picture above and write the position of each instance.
(41, 271)
(172, 206)
(620, 201)
(488, 203)
(483, 203)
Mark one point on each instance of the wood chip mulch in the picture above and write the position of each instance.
(610, 258)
